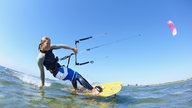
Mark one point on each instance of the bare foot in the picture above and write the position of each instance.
(94, 92)
(83, 88)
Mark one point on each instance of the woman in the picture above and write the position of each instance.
(47, 58)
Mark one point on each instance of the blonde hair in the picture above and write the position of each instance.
(42, 41)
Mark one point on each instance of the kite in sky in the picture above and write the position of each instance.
(172, 27)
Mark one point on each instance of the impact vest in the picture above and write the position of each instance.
(51, 62)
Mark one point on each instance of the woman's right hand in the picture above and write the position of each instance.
(41, 86)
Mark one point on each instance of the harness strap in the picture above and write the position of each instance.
(62, 75)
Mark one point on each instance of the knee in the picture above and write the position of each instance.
(80, 78)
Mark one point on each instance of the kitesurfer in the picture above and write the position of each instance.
(47, 58)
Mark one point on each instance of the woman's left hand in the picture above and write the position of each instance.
(75, 50)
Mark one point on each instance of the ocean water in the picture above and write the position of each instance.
(19, 90)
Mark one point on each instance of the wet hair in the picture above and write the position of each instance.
(42, 41)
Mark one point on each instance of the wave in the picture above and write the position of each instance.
(21, 90)
(25, 78)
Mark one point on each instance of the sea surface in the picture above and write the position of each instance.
(20, 90)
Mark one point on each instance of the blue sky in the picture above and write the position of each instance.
(154, 57)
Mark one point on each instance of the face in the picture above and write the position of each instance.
(45, 44)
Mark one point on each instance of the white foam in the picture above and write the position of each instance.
(30, 79)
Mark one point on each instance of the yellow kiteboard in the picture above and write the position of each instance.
(109, 89)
